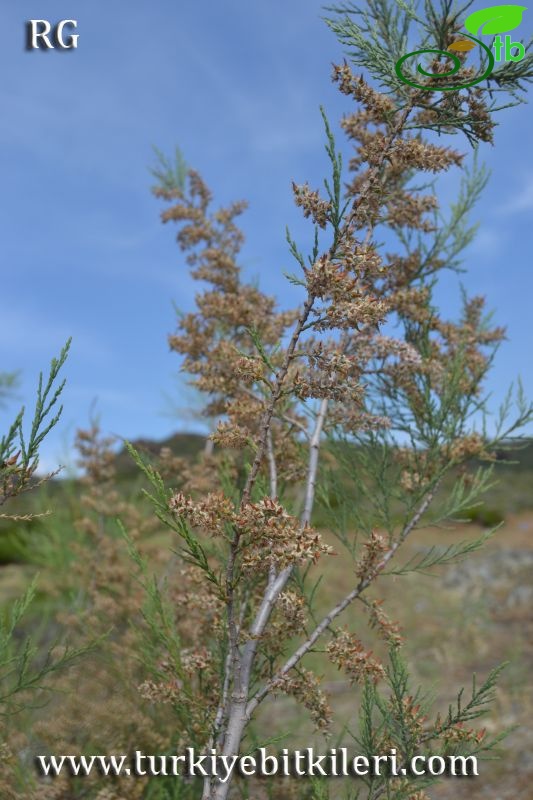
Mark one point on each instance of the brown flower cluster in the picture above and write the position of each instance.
(470, 446)
(272, 537)
(212, 513)
(160, 693)
(348, 653)
(288, 620)
(350, 303)
(305, 688)
(269, 536)
(412, 716)
(312, 204)
(373, 551)
(388, 630)
(417, 467)
(379, 106)
(460, 733)
(215, 340)
(292, 606)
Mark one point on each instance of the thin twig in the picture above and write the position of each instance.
(273, 472)
(314, 449)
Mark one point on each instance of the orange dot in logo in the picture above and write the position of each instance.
(462, 45)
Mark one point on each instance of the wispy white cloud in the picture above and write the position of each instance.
(522, 200)
(107, 398)
(26, 332)
(488, 242)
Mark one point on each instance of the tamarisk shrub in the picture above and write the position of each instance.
(367, 365)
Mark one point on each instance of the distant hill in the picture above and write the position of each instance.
(185, 445)
(191, 444)
(520, 453)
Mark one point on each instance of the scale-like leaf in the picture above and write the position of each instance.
(496, 19)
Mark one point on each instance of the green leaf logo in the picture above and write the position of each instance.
(496, 19)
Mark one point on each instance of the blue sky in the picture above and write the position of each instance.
(237, 85)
